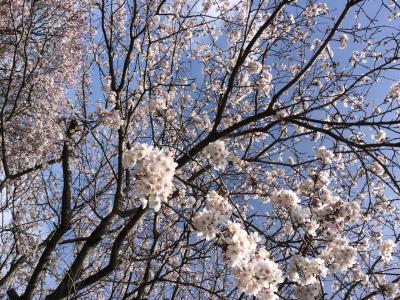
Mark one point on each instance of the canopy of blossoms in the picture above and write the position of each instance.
(205, 149)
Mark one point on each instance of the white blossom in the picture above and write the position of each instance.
(343, 41)
(240, 245)
(379, 137)
(394, 15)
(339, 254)
(157, 105)
(324, 155)
(318, 9)
(217, 154)
(130, 157)
(217, 212)
(386, 250)
(286, 198)
(154, 174)
(254, 67)
(111, 120)
(304, 271)
(308, 292)
(259, 277)
(394, 91)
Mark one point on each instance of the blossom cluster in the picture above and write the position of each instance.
(256, 274)
(317, 9)
(307, 291)
(240, 245)
(160, 102)
(217, 153)
(379, 137)
(324, 155)
(333, 206)
(217, 212)
(260, 276)
(386, 250)
(343, 41)
(154, 174)
(304, 271)
(330, 213)
(394, 91)
(264, 83)
(132, 156)
(289, 200)
(327, 209)
(286, 198)
(339, 254)
(111, 120)
(254, 67)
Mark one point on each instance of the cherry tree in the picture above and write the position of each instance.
(213, 149)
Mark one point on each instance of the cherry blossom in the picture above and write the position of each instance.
(199, 150)
(217, 154)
